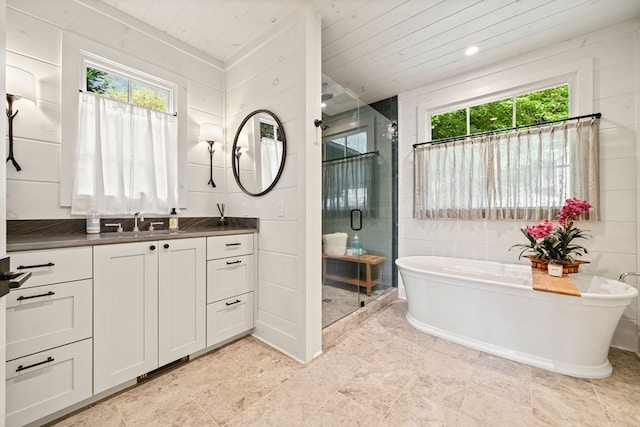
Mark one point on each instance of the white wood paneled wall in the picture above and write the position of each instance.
(281, 73)
(35, 33)
(613, 54)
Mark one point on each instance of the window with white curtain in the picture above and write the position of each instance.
(126, 154)
(348, 184)
(525, 174)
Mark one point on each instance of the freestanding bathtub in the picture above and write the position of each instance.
(492, 307)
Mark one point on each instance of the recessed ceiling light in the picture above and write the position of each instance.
(324, 104)
(471, 50)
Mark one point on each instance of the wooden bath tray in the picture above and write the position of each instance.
(558, 285)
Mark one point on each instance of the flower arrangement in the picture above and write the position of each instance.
(551, 243)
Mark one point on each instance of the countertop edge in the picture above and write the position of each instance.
(29, 243)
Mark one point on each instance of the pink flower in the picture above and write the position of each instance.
(572, 209)
(540, 230)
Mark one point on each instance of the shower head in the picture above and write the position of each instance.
(325, 95)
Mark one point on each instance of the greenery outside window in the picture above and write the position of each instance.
(121, 83)
(519, 110)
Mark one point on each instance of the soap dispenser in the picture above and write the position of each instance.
(173, 220)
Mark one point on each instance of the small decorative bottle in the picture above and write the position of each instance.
(93, 223)
(173, 220)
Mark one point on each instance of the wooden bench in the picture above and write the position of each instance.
(367, 260)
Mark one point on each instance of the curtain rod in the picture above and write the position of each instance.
(370, 153)
(491, 132)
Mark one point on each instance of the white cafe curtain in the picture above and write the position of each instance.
(271, 154)
(126, 158)
(525, 175)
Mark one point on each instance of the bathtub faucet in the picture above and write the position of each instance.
(623, 275)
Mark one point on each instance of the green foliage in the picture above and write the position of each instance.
(449, 124)
(543, 106)
(117, 88)
(531, 108)
(492, 116)
(149, 98)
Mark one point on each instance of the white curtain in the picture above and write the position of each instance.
(271, 154)
(126, 159)
(348, 184)
(525, 175)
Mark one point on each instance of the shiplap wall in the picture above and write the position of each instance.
(613, 53)
(35, 32)
(281, 73)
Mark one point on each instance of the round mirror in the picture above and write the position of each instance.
(258, 153)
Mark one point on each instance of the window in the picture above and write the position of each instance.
(121, 83)
(346, 145)
(127, 142)
(519, 110)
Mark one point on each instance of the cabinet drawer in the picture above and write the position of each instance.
(47, 316)
(228, 246)
(228, 318)
(36, 389)
(228, 277)
(53, 266)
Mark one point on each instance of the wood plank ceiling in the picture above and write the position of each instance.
(379, 48)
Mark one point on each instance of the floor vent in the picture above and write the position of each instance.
(162, 369)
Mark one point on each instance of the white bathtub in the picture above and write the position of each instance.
(492, 307)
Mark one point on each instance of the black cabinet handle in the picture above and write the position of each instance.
(234, 244)
(233, 262)
(49, 264)
(22, 368)
(152, 247)
(231, 303)
(166, 246)
(22, 297)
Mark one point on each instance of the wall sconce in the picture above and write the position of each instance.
(241, 147)
(20, 84)
(212, 134)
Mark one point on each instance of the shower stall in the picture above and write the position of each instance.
(358, 199)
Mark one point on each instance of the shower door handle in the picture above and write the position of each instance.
(356, 216)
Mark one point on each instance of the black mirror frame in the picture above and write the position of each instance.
(236, 174)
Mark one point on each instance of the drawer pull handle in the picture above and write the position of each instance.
(166, 246)
(22, 368)
(233, 262)
(22, 297)
(49, 264)
(152, 247)
(231, 303)
(234, 244)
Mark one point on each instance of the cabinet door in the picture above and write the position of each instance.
(181, 298)
(125, 312)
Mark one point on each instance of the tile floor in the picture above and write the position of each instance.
(383, 373)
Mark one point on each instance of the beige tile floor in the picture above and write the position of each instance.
(383, 373)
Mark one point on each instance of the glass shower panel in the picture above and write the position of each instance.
(357, 201)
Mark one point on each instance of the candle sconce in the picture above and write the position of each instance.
(211, 134)
(21, 84)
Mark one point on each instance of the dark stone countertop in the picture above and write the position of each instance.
(29, 243)
(44, 238)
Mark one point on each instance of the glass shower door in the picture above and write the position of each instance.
(357, 201)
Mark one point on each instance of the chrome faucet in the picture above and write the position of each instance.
(137, 216)
(623, 275)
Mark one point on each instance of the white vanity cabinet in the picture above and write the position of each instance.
(149, 307)
(231, 282)
(49, 346)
